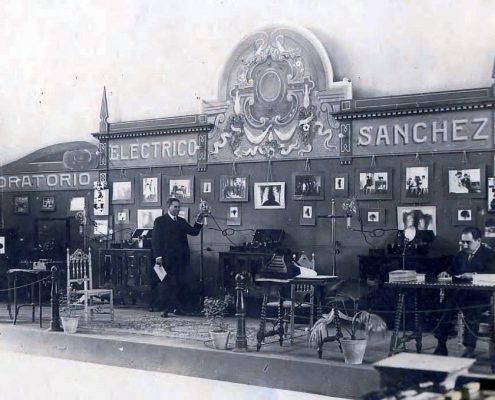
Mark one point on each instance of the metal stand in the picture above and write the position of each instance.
(333, 235)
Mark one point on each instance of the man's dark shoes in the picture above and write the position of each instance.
(441, 350)
(468, 353)
(164, 314)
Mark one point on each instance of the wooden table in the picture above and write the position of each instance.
(417, 335)
(36, 276)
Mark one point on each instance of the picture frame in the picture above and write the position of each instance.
(123, 191)
(207, 189)
(121, 216)
(182, 188)
(21, 204)
(491, 195)
(340, 185)
(269, 195)
(234, 188)
(423, 218)
(374, 216)
(489, 227)
(308, 186)
(101, 229)
(464, 216)
(374, 184)
(146, 217)
(234, 215)
(415, 182)
(465, 181)
(47, 203)
(150, 189)
(77, 204)
(307, 215)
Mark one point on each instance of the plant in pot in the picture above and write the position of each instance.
(361, 326)
(68, 311)
(214, 311)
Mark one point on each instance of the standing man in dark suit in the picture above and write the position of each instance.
(473, 258)
(171, 250)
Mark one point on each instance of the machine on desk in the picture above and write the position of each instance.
(249, 260)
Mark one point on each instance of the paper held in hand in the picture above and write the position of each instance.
(160, 271)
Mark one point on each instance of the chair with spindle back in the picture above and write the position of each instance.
(80, 282)
(301, 293)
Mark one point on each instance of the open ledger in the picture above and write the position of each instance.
(160, 271)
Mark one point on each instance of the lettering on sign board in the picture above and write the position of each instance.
(144, 151)
(48, 181)
(419, 133)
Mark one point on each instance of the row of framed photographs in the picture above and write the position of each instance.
(370, 184)
(421, 217)
(21, 204)
(465, 181)
(306, 186)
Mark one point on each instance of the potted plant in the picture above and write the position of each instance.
(359, 328)
(214, 311)
(67, 309)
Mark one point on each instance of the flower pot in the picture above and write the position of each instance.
(220, 339)
(70, 324)
(353, 350)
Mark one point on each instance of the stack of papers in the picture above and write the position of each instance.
(402, 275)
(484, 279)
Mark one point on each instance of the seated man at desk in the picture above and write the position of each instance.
(474, 257)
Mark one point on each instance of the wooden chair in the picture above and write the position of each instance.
(303, 295)
(80, 282)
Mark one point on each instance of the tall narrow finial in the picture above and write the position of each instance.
(104, 112)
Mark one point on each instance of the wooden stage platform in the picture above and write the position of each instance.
(143, 340)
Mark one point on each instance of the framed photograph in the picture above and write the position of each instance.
(307, 215)
(466, 182)
(122, 191)
(184, 213)
(234, 215)
(269, 195)
(48, 203)
(101, 229)
(182, 187)
(490, 227)
(21, 204)
(77, 204)
(150, 189)
(121, 217)
(234, 188)
(423, 218)
(340, 185)
(374, 184)
(146, 217)
(373, 216)
(207, 189)
(307, 186)
(415, 182)
(464, 216)
(491, 195)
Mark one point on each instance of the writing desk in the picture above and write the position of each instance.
(414, 286)
(36, 276)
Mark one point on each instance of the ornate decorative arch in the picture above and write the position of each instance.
(275, 98)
